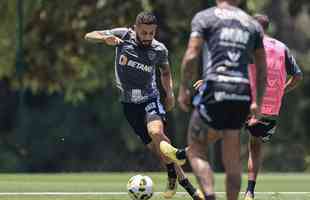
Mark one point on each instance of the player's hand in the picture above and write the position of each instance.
(252, 121)
(184, 98)
(254, 109)
(198, 84)
(112, 40)
(169, 102)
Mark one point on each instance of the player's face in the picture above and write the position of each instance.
(145, 33)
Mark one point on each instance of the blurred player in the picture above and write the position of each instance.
(228, 38)
(280, 64)
(137, 56)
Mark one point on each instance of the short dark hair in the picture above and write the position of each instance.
(146, 18)
(263, 20)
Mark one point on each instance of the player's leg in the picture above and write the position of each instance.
(258, 134)
(232, 162)
(197, 154)
(137, 118)
(195, 193)
(155, 128)
(254, 163)
(181, 177)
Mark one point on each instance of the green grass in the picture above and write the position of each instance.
(116, 182)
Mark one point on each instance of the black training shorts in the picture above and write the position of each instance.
(137, 116)
(265, 128)
(225, 105)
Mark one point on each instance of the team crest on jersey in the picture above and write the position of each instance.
(151, 55)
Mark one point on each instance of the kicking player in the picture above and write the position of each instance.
(228, 38)
(280, 65)
(137, 56)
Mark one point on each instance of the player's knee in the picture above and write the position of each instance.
(233, 180)
(232, 167)
(255, 141)
(193, 151)
(255, 144)
(155, 131)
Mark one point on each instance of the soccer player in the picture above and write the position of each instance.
(228, 39)
(280, 65)
(137, 56)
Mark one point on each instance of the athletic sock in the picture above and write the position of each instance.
(188, 186)
(181, 154)
(210, 197)
(171, 171)
(251, 186)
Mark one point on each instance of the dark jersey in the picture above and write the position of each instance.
(231, 37)
(135, 67)
(291, 65)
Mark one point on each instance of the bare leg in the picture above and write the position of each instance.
(156, 131)
(255, 157)
(197, 154)
(254, 163)
(232, 163)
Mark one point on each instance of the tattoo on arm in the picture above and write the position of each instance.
(189, 67)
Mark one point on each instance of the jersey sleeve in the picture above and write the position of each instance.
(291, 65)
(198, 26)
(118, 32)
(164, 56)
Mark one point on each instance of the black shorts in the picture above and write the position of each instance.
(265, 128)
(138, 115)
(225, 105)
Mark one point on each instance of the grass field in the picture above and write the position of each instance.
(112, 186)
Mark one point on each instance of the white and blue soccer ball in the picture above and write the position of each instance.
(140, 187)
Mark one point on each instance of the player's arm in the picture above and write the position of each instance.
(167, 83)
(190, 62)
(110, 37)
(189, 70)
(261, 69)
(293, 70)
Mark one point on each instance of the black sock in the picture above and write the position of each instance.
(251, 186)
(188, 186)
(171, 171)
(210, 197)
(181, 154)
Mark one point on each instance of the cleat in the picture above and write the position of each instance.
(170, 151)
(249, 196)
(198, 195)
(171, 188)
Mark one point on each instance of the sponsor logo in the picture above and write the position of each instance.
(220, 96)
(235, 35)
(123, 60)
(140, 66)
(136, 95)
(150, 107)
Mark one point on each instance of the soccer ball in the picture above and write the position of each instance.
(140, 187)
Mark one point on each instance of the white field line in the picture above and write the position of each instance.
(121, 193)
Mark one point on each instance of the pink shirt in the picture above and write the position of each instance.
(276, 77)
